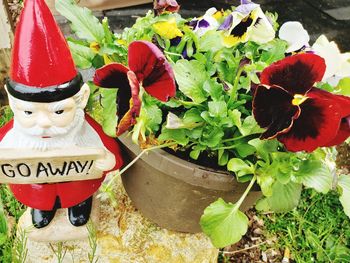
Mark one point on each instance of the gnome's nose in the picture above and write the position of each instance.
(43, 121)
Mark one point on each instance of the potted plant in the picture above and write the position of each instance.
(260, 110)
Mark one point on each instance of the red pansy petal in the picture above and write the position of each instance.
(296, 74)
(129, 119)
(317, 124)
(343, 133)
(152, 69)
(343, 102)
(113, 75)
(273, 109)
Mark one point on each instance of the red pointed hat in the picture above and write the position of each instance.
(42, 67)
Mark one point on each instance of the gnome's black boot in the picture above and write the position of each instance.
(42, 218)
(79, 214)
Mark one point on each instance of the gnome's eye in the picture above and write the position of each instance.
(59, 112)
(27, 112)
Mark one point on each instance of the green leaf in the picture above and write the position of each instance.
(190, 76)
(273, 51)
(217, 109)
(223, 157)
(284, 196)
(344, 185)
(264, 147)
(82, 55)
(210, 41)
(262, 205)
(196, 151)
(239, 167)
(212, 136)
(316, 174)
(214, 89)
(150, 116)
(109, 115)
(266, 182)
(244, 149)
(250, 126)
(235, 115)
(223, 223)
(178, 136)
(343, 86)
(84, 23)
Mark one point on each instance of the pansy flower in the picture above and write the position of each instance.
(148, 69)
(338, 64)
(292, 110)
(246, 23)
(295, 35)
(167, 29)
(162, 6)
(207, 22)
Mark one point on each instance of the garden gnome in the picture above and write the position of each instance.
(48, 97)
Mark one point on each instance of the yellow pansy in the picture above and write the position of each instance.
(167, 29)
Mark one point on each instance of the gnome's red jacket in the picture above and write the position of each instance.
(43, 196)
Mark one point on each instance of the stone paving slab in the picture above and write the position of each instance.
(342, 13)
(125, 236)
(329, 4)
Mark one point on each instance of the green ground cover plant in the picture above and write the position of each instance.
(316, 231)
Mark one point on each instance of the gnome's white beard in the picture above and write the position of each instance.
(78, 133)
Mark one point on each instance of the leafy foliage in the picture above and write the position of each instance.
(211, 113)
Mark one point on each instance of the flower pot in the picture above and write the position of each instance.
(173, 192)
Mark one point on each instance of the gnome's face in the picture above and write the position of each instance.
(49, 120)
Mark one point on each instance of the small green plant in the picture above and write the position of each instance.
(59, 250)
(12, 248)
(316, 231)
(92, 242)
(19, 248)
(5, 114)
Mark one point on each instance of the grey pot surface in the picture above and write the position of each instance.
(172, 192)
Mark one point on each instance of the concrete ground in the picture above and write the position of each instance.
(331, 17)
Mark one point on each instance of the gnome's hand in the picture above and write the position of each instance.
(107, 162)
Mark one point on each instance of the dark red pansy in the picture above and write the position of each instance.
(296, 74)
(299, 115)
(161, 6)
(273, 109)
(148, 69)
(152, 69)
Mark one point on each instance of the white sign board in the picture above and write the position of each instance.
(62, 165)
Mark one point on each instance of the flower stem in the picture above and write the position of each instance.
(236, 138)
(173, 54)
(246, 192)
(233, 94)
(189, 103)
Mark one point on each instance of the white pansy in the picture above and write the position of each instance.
(206, 22)
(262, 31)
(295, 35)
(338, 64)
